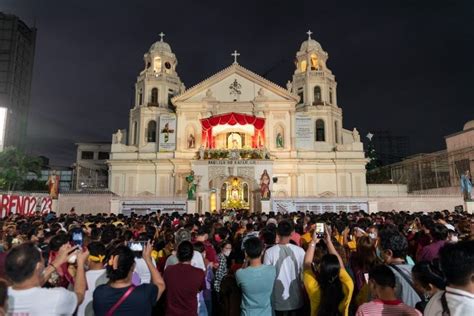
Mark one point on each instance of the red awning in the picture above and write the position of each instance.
(232, 119)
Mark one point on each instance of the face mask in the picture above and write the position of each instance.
(226, 252)
(454, 238)
(373, 235)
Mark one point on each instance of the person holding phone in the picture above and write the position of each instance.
(330, 288)
(120, 296)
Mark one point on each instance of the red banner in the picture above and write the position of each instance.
(24, 204)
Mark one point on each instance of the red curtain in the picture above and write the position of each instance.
(232, 119)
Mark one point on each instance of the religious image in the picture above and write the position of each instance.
(279, 140)
(265, 185)
(191, 141)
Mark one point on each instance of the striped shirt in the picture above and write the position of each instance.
(386, 308)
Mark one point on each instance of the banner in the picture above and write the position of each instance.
(304, 132)
(167, 135)
(24, 204)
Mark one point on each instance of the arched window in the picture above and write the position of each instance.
(154, 95)
(303, 65)
(135, 133)
(140, 96)
(320, 132)
(317, 95)
(314, 62)
(151, 132)
(157, 64)
(336, 132)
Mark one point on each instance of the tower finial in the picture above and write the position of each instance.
(309, 34)
(161, 36)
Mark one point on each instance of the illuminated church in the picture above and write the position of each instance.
(236, 139)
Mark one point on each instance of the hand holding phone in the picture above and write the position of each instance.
(319, 230)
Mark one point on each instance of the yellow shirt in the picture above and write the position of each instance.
(314, 293)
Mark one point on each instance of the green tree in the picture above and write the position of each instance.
(15, 165)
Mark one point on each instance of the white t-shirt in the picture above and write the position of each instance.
(91, 278)
(39, 301)
(460, 303)
(197, 261)
(142, 270)
(288, 260)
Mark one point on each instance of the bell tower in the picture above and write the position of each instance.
(159, 81)
(315, 84)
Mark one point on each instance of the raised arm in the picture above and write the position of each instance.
(330, 245)
(156, 277)
(308, 257)
(80, 283)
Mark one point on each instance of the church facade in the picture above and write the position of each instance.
(236, 139)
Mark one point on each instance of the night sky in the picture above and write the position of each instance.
(403, 66)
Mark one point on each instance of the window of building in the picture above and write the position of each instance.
(151, 132)
(301, 95)
(336, 132)
(140, 97)
(135, 133)
(87, 155)
(154, 95)
(303, 65)
(103, 155)
(314, 62)
(320, 131)
(157, 64)
(317, 95)
(330, 95)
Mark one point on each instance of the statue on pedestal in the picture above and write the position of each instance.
(265, 185)
(466, 186)
(191, 186)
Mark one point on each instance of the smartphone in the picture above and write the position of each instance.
(136, 246)
(319, 230)
(77, 237)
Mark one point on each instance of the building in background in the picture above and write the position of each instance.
(17, 50)
(90, 168)
(389, 148)
(438, 172)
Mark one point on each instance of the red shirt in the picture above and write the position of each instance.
(183, 283)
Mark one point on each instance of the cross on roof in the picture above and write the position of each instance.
(235, 54)
(309, 34)
(161, 36)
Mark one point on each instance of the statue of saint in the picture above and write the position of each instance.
(201, 152)
(279, 140)
(466, 186)
(356, 135)
(53, 185)
(265, 186)
(118, 137)
(191, 141)
(191, 186)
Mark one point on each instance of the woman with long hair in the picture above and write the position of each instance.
(329, 286)
(364, 259)
(120, 296)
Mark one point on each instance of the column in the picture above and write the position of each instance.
(292, 130)
(294, 184)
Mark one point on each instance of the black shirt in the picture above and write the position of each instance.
(139, 302)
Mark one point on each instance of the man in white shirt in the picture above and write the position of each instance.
(457, 263)
(25, 268)
(288, 260)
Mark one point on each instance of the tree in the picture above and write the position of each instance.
(15, 165)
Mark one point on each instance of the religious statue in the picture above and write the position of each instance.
(191, 186)
(191, 141)
(289, 86)
(201, 152)
(265, 185)
(118, 136)
(53, 185)
(356, 135)
(466, 186)
(279, 140)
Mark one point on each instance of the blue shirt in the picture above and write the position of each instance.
(257, 286)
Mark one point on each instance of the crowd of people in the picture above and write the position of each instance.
(238, 263)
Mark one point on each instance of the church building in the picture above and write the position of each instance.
(236, 140)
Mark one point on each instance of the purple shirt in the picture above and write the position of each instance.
(430, 252)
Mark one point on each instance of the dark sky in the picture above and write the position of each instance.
(403, 66)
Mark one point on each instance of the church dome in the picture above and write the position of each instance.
(310, 44)
(468, 125)
(160, 46)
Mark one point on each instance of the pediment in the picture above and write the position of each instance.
(235, 83)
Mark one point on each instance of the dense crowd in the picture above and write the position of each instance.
(238, 263)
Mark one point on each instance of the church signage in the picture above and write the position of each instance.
(304, 132)
(167, 132)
